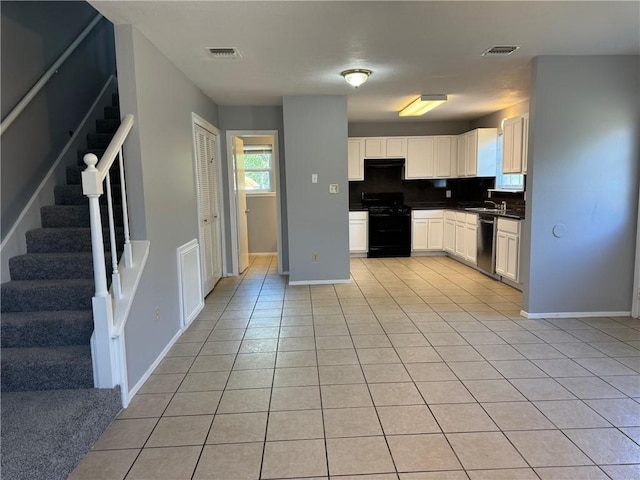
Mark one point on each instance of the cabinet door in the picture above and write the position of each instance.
(443, 156)
(355, 159)
(396, 147)
(512, 257)
(419, 234)
(472, 154)
(516, 162)
(462, 155)
(358, 235)
(420, 157)
(450, 236)
(525, 142)
(501, 253)
(507, 146)
(471, 244)
(461, 236)
(374, 147)
(435, 234)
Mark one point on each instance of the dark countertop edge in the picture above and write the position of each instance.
(513, 215)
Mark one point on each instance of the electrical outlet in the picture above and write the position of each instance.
(314, 257)
(448, 194)
(156, 314)
(314, 178)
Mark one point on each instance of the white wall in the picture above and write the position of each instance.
(316, 142)
(160, 181)
(583, 173)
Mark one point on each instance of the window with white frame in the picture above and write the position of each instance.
(258, 169)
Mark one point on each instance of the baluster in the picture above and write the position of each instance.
(115, 275)
(97, 243)
(125, 214)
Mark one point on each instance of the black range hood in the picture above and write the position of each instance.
(383, 162)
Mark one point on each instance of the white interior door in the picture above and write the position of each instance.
(241, 202)
(208, 210)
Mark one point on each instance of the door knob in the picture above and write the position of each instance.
(247, 211)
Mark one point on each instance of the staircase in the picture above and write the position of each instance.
(47, 319)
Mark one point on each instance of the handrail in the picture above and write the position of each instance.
(19, 108)
(112, 151)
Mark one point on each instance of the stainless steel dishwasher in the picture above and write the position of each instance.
(486, 244)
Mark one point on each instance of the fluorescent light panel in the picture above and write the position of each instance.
(422, 105)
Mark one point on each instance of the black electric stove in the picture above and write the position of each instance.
(389, 224)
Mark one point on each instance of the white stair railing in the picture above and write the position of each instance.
(94, 178)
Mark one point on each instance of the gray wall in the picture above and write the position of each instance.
(262, 223)
(255, 118)
(583, 172)
(160, 173)
(316, 142)
(384, 129)
(494, 120)
(34, 35)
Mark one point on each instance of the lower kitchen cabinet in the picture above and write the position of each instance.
(358, 232)
(427, 230)
(449, 237)
(465, 235)
(508, 248)
(471, 242)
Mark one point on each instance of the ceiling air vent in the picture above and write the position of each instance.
(500, 50)
(223, 53)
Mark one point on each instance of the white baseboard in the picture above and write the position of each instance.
(319, 282)
(153, 366)
(263, 254)
(537, 316)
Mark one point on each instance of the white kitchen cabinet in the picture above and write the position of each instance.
(446, 156)
(355, 158)
(358, 232)
(427, 230)
(461, 234)
(385, 147)
(513, 145)
(471, 242)
(508, 248)
(525, 142)
(449, 236)
(420, 161)
(477, 152)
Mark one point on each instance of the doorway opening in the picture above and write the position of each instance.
(254, 196)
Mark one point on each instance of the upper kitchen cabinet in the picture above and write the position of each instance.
(514, 155)
(385, 147)
(355, 159)
(477, 152)
(431, 157)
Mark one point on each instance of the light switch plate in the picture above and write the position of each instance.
(314, 178)
(333, 188)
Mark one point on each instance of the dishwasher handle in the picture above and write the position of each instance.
(484, 220)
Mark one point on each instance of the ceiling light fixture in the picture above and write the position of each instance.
(422, 105)
(356, 76)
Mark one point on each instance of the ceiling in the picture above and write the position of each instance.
(413, 48)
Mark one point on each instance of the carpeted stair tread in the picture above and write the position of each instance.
(46, 433)
(74, 174)
(72, 195)
(57, 216)
(112, 112)
(51, 266)
(99, 140)
(59, 240)
(42, 329)
(107, 125)
(46, 368)
(38, 295)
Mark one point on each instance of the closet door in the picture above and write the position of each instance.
(208, 210)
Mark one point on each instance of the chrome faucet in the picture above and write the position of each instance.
(495, 205)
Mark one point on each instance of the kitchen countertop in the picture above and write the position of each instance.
(516, 214)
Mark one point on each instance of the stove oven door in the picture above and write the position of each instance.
(389, 235)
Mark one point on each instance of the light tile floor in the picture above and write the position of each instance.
(422, 368)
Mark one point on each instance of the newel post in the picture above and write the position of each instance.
(103, 371)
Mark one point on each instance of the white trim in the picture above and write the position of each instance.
(635, 296)
(130, 278)
(14, 243)
(263, 254)
(319, 282)
(258, 193)
(232, 201)
(573, 314)
(153, 366)
(187, 317)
